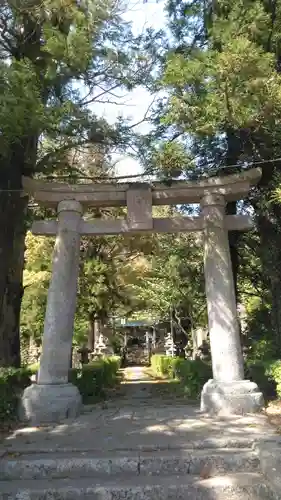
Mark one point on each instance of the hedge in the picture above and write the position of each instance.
(162, 365)
(260, 372)
(192, 374)
(12, 382)
(267, 374)
(273, 373)
(92, 381)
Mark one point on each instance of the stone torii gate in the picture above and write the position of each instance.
(53, 397)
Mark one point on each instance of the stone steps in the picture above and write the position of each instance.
(239, 486)
(139, 454)
(48, 446)
(87, 464)
(231, 474)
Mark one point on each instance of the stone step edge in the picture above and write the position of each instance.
(143, 465)
(236, 480)
(269, 454)
(211, 444)
(133, 453)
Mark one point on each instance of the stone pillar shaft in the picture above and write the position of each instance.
(61, 302)
(227, 361)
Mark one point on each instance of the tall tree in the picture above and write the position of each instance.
(222, 77)
(57, 58)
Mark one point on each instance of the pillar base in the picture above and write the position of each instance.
(49, 403)
(231, 398)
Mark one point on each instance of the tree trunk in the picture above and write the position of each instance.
(270, 254)
(20, 159)
(233, 239)
(276, 313)
(12, 236)
(91, 334)
(95, 329)
(232, 157)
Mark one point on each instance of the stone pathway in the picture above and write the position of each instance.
(139, 385)
(126, 449)
(136, 374)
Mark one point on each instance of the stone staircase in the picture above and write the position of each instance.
(141, 445)
(199, 472)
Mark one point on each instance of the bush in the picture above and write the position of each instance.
(12, 383)
(162, 365)
(33, 368)
(267, 375)
(273, 372)
(192, 374)
(259, 372)
(260, 351)
(93, 379)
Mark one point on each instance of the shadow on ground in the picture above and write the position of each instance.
(137, 424)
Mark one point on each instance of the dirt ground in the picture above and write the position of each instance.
(273, 412)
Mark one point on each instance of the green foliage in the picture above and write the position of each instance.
(62, 43)
(93, 379)
(221, 84)
(33, 368)
(273, 372)
(12, 382)
(18, 110)
(109, 271)
(170, 160)
(162, 365)
(173, 276)
(229, 79)
(260, 350)
(117, 344)
(191, 374)
(36, 278)
(57, 59)
(267, 375)
(234, 87)
(259, 372)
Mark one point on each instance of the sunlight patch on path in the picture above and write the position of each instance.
(136, 374)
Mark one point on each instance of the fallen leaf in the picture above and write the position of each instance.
(206, 471)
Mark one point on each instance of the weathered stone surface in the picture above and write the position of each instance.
(129, 425)
(234, 398)
(227, 361)
(61, 302)
(247, 486)
(103, 346)
(269, 453)
(137, 452)
(71, 465)
(49, 403)
(97, 227)
(233, 187)
(194, 461)
(139, 207)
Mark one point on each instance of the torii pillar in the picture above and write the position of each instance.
(227, 392)
(53, 398)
